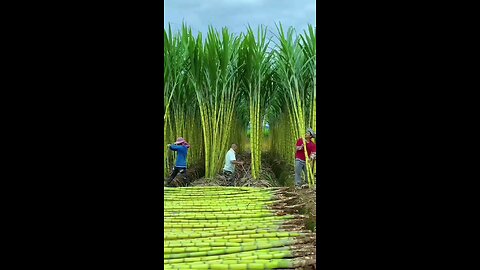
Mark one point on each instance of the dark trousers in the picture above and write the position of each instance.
(229, 175)
(177, 170)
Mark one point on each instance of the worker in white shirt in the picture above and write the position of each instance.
(230, 162)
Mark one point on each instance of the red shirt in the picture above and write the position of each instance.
(311, 148)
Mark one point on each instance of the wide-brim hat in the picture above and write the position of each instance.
(180, 140)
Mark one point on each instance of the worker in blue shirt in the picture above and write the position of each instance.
(181, 147)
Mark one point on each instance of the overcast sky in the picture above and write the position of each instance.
(237, 14)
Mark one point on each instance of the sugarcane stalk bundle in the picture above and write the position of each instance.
(234, 228)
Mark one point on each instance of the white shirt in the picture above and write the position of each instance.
(229, 157)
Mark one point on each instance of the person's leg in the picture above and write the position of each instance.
(298, 172)
(231, 180)
(183, 172)
(173, 175)
(228, 177)
(305, 172)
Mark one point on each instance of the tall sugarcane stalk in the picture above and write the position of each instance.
(214, 81)
(308, 45)
(292, 64)
(180, 107)
(255, 71)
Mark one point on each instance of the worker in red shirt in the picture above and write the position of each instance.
(300, 161)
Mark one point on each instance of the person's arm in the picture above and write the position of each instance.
(299, 145)
(313, 151)
(236, 162)
(233, 159)
(173, 147)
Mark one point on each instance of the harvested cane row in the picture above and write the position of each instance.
(234, 228)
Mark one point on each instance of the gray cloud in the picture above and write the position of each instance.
(237, 14)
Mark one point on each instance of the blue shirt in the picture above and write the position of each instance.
(181, 155)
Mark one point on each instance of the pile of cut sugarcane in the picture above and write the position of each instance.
(234, 228)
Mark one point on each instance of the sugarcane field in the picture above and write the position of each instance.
(239, 116)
